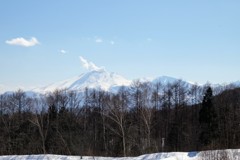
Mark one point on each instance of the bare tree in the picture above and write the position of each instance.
(41, 120)
(116, 111)
(156, 95)
(19, 100)
(146, 112)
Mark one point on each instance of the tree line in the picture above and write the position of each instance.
(143, 118)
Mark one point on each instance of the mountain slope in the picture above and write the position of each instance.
(95, 79)
(164, 80)
(101, 79)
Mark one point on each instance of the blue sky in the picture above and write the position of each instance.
(194, 40)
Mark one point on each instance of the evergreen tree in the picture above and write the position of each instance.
(208, 119)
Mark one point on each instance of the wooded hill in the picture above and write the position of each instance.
(144, 118)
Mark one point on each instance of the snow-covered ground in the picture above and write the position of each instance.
(230, 154)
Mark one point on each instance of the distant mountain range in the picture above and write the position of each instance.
(104, 80)
(99, 79)
(94, 79)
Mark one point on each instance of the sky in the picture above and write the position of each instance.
(195, 40)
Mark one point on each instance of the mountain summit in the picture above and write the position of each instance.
(94, 79)
(100, 79)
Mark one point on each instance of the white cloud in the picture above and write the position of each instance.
(63, 51)
(23, 42)
(89, 65)
(98, 40)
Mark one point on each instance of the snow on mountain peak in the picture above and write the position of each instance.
(98, 78)
(94, 79)
(165, 80)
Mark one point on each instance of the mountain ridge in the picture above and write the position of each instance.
(101, 79)
(94, 79)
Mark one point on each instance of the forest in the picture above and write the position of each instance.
(143, 118)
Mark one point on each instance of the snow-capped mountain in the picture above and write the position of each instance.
(164, 80)
(237, 83)
(100, 79)
(94, 79)
(104, 80)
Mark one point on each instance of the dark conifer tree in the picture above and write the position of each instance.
(208, 119)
